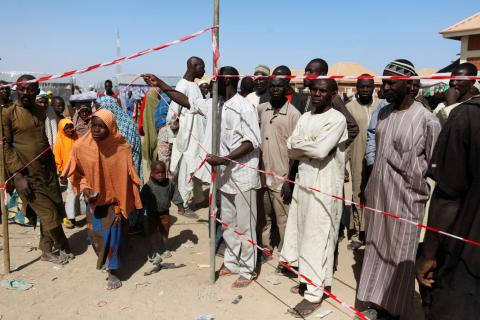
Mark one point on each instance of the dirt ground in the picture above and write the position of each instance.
(77, 290)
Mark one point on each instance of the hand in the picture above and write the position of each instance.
(286, 193)
(214, 160)
(452, 96)
(346, 177)
(90, 196)
(22, 186)
(63, 180)
(424, 270)
(151, 80)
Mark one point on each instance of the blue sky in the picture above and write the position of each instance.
(56, 36)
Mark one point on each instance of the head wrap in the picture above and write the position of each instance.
(401, 67)
(263, 69)
(63, 145)
(202, 82)
(86, 96)
(41, 95)
(106, 167)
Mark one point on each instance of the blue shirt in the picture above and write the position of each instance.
(372, 126)
(130, 105)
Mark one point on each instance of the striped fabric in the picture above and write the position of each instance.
(405, 141)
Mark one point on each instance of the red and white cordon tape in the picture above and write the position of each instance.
(340, 77)
(388, 214)
(118, 60)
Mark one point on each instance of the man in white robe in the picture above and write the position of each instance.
(318, 142)
(185, 151)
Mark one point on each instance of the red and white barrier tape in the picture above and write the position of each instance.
(340, 77)
(388, 214)
(118, 60)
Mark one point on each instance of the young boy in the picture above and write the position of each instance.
(166, 136)
(58, 105)
(157, 194)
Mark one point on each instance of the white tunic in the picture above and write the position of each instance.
(185, 148)
(237, 122)
(318, 141)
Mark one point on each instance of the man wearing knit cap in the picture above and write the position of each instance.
(406, 134)
(260, 95)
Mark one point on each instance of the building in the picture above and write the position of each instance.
(347, 86)
(468, 32)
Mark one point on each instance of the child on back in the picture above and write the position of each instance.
(62, 149)
(157, 194)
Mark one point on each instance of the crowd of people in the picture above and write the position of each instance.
(283, 161)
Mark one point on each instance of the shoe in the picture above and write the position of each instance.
(66, 256)
(68, 224)
(156, 259)
(370, 313)
(354, 245)
(188, 213)
(166, 254)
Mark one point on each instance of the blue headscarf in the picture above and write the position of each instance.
(128, 129)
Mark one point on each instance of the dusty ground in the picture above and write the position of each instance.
(77, 290)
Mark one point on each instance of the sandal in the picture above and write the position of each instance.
(241, 283)
(66, 255)
(370, 313)
(53, 258)
(299, 289)
(224, 271)
(304, 308)
(113, 282)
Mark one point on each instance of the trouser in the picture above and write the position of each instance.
(273, 210)
(70, 202)
(54, 238)
(185, 183)
(239, 211)
(51, 215)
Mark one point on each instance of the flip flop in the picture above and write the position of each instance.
(304, 308)
(224, 271)
(113, 282)
(50, 257)
(241, 283)
(16, 284)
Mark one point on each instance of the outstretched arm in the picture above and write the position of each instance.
(175, 95)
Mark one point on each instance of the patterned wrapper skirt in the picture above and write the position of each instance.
(107, 232)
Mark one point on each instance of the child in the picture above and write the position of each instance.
(66, 137)
(101, 168)
(156, 196)
(166, 136)
(58, 105)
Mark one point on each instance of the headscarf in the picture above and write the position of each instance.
(149, 148)
(401, 67)
(128, 129)
(41, 95)
(63, 145)
(105, 167)
(81, 126)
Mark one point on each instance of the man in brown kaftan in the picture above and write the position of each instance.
(36, 182)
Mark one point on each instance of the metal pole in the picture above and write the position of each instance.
(6, 242)
(213, 222)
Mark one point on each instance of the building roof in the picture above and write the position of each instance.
(341, 69)
(426, 72)
(468, 26)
